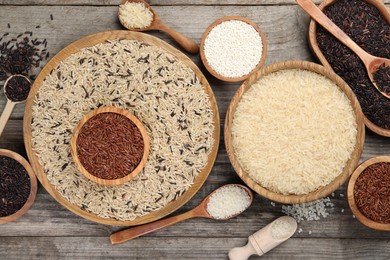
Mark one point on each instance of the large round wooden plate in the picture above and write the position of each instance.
(91, 41)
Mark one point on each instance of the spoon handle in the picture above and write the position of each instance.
(185, 42)
(128, 234)
(5, 115)
(322, 19)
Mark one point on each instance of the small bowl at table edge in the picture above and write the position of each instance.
(33, 186)
(351, 198)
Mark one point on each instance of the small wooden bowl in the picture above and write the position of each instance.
(348, 168)
(224, 19)
(351, 199)
(33, 186)
(312, 38)
(132, 118)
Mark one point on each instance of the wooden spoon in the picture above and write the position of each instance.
(371, 62)
(198, 212)
(185, 42)
(10, 103)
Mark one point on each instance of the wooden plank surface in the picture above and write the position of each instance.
(49, 231)
(156, 2)
(184, 248)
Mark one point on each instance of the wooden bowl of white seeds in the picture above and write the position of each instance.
(233, 48)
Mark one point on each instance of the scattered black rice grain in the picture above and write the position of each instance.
(9, 26)
(17, 88)
(20, 55)
(14, 186)
(51, 17)
(367, 27)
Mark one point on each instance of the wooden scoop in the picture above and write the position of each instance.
(263, 240)
(370, 62)
(10, 104)
(198, 212)
(185, 42)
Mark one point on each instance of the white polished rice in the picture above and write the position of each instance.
(135, 15)
(310, 211)
(293, 131)
(162, 92)
(233, 48)
(283, 227)
(228, 201)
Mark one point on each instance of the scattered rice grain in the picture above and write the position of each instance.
(308, 211)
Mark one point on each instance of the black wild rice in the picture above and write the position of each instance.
(21, 55)
(382, 78)
(14, 186)
(367, 27)
(17, 88)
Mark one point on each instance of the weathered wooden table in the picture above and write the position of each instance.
(49, 231)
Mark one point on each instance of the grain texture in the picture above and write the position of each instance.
(49, 231)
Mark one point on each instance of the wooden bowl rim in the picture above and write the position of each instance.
(321, 58)
(351, 198)
(229, 18)
(129, 116)
(351, 163)
(91, 40)
(33, 186)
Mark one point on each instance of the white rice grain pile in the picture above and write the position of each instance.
(135, 15)
(163, 93)
(293, 131)
(283, 227)
(228, 201)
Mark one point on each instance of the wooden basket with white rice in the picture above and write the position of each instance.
(294, 132)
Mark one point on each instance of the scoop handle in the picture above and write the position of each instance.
(185, 42)
(331, 27)
(242, 253)
(6, 114)
(131, 233)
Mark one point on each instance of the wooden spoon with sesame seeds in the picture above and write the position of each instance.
(201, 211)
(372, 63)
(157, 24)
